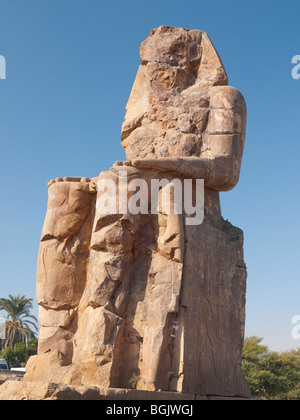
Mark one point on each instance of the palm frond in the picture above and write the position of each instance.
(18, 325)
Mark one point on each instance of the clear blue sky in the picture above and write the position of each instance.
(70, 69)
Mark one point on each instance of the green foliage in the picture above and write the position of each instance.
(8, 355)
(271, 375)
(134, 381)
(19, 355)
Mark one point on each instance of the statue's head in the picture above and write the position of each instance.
(167, 108)
(174, 51)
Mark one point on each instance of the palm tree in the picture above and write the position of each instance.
(18, 326)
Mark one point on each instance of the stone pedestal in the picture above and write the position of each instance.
(40, 391)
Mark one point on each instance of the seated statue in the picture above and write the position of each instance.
(149, 299)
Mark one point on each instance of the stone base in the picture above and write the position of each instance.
(37, 391)
(10, 375)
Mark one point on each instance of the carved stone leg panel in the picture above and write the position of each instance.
(212, 313)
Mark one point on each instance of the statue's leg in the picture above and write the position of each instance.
(103, 306)
(162, 299)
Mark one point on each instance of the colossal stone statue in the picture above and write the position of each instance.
(147, 300)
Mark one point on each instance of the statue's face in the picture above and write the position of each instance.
(179, 47)
(172, 52)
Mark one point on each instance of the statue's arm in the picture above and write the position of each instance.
(222, 144)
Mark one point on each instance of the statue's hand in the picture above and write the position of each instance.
(122, 163)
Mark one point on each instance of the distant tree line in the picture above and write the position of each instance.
(271, 375)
